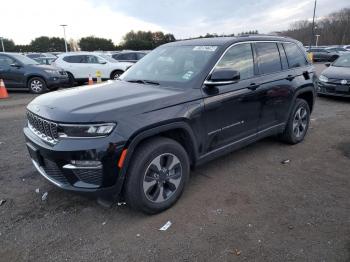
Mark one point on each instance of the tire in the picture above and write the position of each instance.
(298, 123)
(37, 85)
(146, 182)
(71, 79)
(116, 74)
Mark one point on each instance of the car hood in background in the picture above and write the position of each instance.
(337, 72)
(104, 102)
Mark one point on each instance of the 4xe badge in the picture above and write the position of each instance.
(343, 82)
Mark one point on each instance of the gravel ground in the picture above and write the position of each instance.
(246, 206)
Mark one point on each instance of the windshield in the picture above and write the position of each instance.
(342, 61)
(171, 64)
(25, 60)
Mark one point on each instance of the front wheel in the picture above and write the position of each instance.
(298, 123)
(37, 85)
(157, 175)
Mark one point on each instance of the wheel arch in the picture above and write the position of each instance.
(115, 70)
(179, 131)
(308, 95)
(29, 77)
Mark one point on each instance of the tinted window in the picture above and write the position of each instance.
(91, 59)
(239, 58)
(74, 59)
(140, 55)
(268, 58)
(6, 61)
(126, 56)
(294, 55)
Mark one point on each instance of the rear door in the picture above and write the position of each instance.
(275, 84)
(12, 75)
(232, 111)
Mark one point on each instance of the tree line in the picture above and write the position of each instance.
(333, 29)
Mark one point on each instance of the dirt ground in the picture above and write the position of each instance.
(246, 206)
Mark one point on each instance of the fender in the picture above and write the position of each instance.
(136, 139)
(300, 91)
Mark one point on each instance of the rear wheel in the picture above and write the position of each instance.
(37, 85)
(298, 123)
(116, 74)
(157, 175)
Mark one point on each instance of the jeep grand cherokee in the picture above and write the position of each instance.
(184, 104)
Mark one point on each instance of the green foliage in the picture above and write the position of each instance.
(47, 44)
(142, 40)
(9, 45)
(92, 43)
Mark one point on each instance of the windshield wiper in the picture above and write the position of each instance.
(145, 82)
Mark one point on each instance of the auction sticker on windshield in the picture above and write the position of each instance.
(208, 48)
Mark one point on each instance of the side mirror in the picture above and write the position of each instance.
(328, 64)
(223, 76)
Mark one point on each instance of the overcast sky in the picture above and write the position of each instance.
(23, 20)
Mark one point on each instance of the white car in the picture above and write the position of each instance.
(79, 66)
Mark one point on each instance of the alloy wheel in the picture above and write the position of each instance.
(162, 178)
(36, 86)
(300, 122)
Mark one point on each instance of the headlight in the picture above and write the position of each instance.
(323, 78)
(91, 130)
(53, 72)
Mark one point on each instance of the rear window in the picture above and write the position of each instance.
(294, 55)
(74, 59)
(127, 56)
(268, 58)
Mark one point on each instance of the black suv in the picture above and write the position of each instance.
(184, 104)
(19, 71)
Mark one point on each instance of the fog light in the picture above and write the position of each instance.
(86, 163)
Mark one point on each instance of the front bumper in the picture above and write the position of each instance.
(57, 81)
(54, 162)
(333, 89)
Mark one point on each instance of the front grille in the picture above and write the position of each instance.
(54, 172)
(92, 176)
(46, 130)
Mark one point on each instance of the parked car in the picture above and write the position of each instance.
(337, 49)
(184, 104)
(129, 56)
(79, 66)
(45, 60)
(37, 55)
(323, 55)
(347, 47)
(19, 71)
(335, 80)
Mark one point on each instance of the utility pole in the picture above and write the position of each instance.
(64, 33)
(2, 44)
(313, 27)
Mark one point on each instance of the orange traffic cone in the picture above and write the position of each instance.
(91, 82)
(3, 91)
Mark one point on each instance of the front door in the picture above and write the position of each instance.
(232, 111)
(11, 72)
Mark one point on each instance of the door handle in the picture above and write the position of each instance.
(253, 86)
(290, 77)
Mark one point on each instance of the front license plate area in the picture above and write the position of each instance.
(35, 154)
(342, 89)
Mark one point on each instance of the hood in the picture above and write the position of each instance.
(43, 67)
(104, 102)
(337, 72)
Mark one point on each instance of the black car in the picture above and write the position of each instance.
(335, 80)
(323, 55)
(184, 104)
(129, 56)
(19, 71)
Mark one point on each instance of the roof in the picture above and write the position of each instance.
(221, 41)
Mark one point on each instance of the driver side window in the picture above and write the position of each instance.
(6, 61)
(239, 58)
